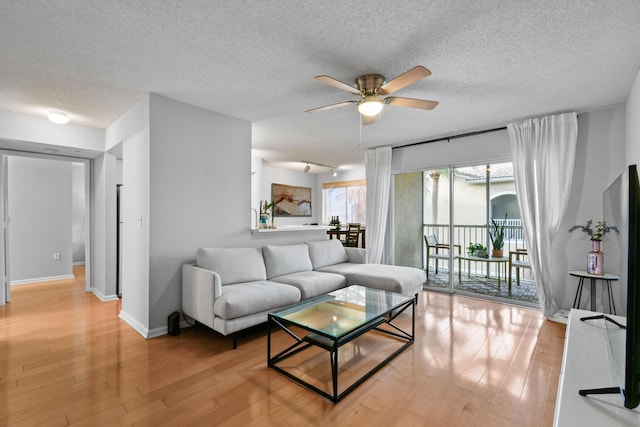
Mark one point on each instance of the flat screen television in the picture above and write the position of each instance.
(621, 209)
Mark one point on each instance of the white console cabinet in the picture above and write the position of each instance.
(587, 364)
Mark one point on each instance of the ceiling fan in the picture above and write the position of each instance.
(371, 87)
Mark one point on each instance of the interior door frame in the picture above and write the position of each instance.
(5, 296)
(5, 251)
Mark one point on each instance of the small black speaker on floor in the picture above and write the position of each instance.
(173, 324)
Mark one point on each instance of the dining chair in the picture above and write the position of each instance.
(353, 235)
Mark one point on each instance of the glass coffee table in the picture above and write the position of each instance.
(330, 321)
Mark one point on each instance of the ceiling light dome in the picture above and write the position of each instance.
(370, 105)
(58, 117)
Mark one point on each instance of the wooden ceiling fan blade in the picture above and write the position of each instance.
(422, 104)
(331, 106)
(328, 80)
(403, 80)
(368, 120)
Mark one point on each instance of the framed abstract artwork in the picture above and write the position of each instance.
(289, 200)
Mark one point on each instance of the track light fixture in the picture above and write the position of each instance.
(307, 168)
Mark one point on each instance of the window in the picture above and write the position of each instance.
(346, 199)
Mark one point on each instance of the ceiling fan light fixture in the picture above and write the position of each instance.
(370, 105)
(58, 117)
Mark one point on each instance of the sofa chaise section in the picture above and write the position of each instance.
(330, 256)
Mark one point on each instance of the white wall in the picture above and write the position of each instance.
(200, 185)
(22, 127)
(78, 212)
(39, 195)
(270, 175)
(103, 225)
(599, 160)
(632, 123)
(263, 176)
(132, 130)
(349, 175)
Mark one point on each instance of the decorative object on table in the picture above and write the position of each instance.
(497, 237)
(289, 200)
(266, 220)
(595, 258)
(335, 222)
(477, 249)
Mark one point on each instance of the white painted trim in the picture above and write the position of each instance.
(42, 279)
(156, 332)
(134, 324)
(102, 297)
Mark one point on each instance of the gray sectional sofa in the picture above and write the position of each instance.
(231, 289)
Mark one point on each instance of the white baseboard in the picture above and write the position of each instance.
(134, 324)
(41, 279)
(149, 333)
(156, 332)
(102, 297)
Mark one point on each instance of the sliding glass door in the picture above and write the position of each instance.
(440, 257)
(462, 208)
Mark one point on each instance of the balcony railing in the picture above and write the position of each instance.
(463, 235)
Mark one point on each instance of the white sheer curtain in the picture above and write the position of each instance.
(377, 163)
(543, 153)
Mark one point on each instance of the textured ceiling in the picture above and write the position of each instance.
(492, 62)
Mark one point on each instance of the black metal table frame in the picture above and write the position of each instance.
(578, 298)
(332, 345)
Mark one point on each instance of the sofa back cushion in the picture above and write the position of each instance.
(287, 259)
(326, 252)
(234, 265)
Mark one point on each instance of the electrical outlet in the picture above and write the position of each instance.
(57, 256)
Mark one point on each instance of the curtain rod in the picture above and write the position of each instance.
(447, 138)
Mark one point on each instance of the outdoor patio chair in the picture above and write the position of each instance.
(518, 259)
(434, 251)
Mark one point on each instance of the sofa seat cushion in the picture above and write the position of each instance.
(243, 299)
(234, 265)
(286, 259)
(395, 278)
(313, 283)
(326, 252)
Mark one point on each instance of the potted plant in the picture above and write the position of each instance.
(476, 249)
(497, 237)
(265, 214)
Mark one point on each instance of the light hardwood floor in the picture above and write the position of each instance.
(67, 359)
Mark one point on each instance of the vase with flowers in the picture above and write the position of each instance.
(595, 259)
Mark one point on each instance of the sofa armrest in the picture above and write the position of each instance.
(200, 288)
(357, 255)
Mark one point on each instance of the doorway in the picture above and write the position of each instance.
(45, 207)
